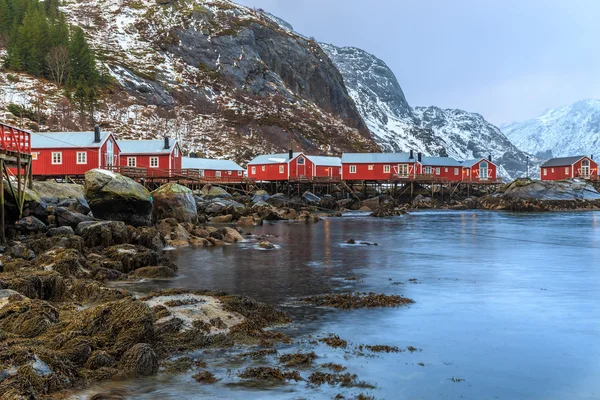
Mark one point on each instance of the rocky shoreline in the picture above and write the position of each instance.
(62, 327)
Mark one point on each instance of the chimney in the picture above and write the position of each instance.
(592, 157)
(412, 155)
(291, 154)
(419, 157)
(490, 158)
(96, 134)
(167, 144)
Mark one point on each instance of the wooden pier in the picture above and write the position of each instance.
(15, 167)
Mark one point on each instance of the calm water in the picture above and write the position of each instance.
(506, 302)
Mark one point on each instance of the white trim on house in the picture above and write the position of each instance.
(58, 158)
(83, 159)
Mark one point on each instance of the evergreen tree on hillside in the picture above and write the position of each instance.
(5, 18)
(83, 64)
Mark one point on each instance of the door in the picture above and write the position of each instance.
(110, 153)
(301, 166)
(403, 170)
(585, 168)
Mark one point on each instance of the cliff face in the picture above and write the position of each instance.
(226, 80)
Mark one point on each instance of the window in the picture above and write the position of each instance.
(34, 156)
(483, 170)
(403, 169)
(300, 160)
(131, 161)
(545, 171)
(567, 170)
(202, 173)
(353, 169)
(468, 171)
(427, 170)
(437, 171)
(228, 172)
(552, 170)
(239, 173)
(153, 162)
(218, 174)
(386, 169)
(253, 170)
(176, 152)
(455, 171)
(264, 168)
(281, 169)
(371, 166)
(445, 169)
(57, 158)
(81, 157)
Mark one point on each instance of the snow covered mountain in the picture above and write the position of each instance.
(560, 132)
(398, 127)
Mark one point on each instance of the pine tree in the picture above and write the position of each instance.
(83, 64)
(5, 18)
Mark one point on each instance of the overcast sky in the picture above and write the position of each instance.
(507, 59)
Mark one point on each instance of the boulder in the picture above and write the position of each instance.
(160, 272)
(310, 198)
(266, 245)
(132, 257)
(572, 189)
(328, 202)
(278, 200)
(422, 201)
(117, 198)
(140, 360)
(103, 233)
(66, 195)
(372, 203)
(65, 217)
(33, 205)
(19, 250)
(60, 231)
(230, 235)
(174, 201)
(247, 221)
(260, 196)
(69, 263)
(222, 219)
(148, 237)
(214, 192)
(30, 225)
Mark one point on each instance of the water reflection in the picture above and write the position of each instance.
(507, 302)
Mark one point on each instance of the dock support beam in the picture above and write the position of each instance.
(2, 233)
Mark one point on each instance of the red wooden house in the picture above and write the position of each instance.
(72, 153)
(569, 167)
(218, 170)
(380, 166)
(443, 168)
(479, 170)
(294, 166)
(158, 157)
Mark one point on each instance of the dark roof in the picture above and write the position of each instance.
(561, 161)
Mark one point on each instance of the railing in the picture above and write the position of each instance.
(222, 179)
(132, 172)
(315, 179)
(14, 139)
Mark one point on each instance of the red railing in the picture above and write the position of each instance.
(15, 139)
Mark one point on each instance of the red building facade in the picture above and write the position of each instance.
(569, 167)
(481, 170)
(442, 168)
(158, 157)
(293, 166)
(225, 170)
(380, 166)
(72, 153)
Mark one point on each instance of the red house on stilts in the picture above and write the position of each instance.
(294, 167)
(160, 158)
(380, 166)
(443, 168)
(72, 153)
(556, 169)
(479, 170)
(217, 170)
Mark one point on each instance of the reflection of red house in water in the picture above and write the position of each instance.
(294, 166)
(480, 170)
(72, 153)
(569, 167)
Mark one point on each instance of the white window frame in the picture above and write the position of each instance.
(455, 171)
(445, 169)
(437, 171)
(58, 159)
(218, 174)
(176, 152)
(427, 171)
(552, 170)
(84, 154)
(239, 173)
(152, 159)
(403, 169)
(371, 167)
(202, 173)
(281, 169)
(301, 160)
(228, 172)
(264, 168)
(567, 170)
(34, 156)
(130, 163)
(546, 172)
(387, 169)
(352, 169)
(253, 170)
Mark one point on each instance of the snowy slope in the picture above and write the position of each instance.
(565, 131)
(398, 127)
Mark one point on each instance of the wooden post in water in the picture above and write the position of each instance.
(2, 233)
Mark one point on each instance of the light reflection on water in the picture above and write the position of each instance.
(507, 302)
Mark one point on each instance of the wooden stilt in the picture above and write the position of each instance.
(2, 232)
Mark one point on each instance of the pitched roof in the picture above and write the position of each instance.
(66, 140)
(470, 163)
(561, 161)
(208, 164)
(280, 158)
(377, 158)
(440, 161)
(326, 161)
(145, 146)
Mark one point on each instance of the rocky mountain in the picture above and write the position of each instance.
(225, 79)
(397, 126)
(560, 132)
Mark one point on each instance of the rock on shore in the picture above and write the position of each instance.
(115, 197)
(174, 201)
